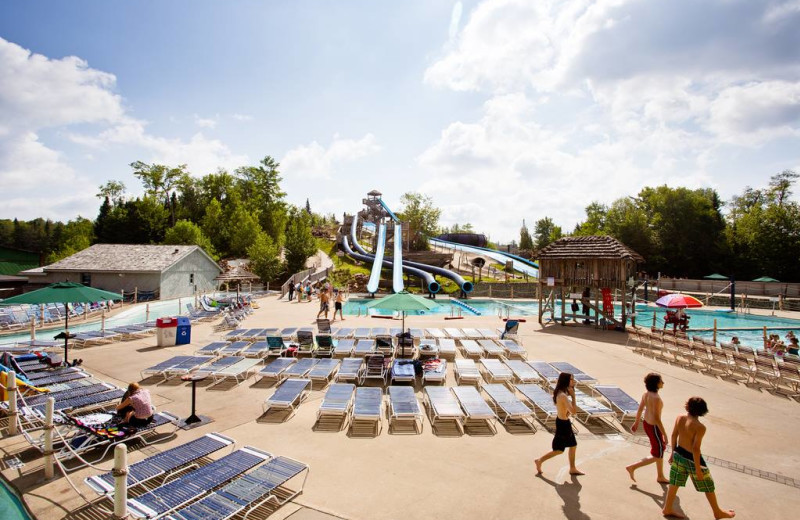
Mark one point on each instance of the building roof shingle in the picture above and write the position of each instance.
(123, 258)
(594, 247)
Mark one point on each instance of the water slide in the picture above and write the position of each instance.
(375, 275)
(431, 284)
(397, 268)
(518, 263)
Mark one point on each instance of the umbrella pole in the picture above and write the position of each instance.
(66, 337)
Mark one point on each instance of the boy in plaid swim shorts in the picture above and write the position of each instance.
(686, 462)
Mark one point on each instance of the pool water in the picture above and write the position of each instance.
(749, 328)
(11, 507)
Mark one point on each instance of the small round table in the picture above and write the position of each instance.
(194, 420)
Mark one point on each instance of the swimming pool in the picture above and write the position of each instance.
(11, 507)
(748, 327)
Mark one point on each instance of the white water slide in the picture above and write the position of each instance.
(375, 275)
(397, 265)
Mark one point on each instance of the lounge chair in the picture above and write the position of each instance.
(186, 366)
(301, 368)
(376, 367)
(233, 349)
(324, 346)
(252, 335)
(443, 406)
(239, 371)
(491, 348)
(454, 333)
(212, 348)
(523, 373)
(417, 333)
(590, 408)
(513, 349)
(404, 407)
(367, 408)
(541, 401)
(305, 342)
(495, 371)
(364, 347)
(219, 364)
(508, 405)
(475, 407)
(288, 395)
(259, 349)
(85, 401)
(403, 371)
(324, 370)
(362, 333)
(235, 334)
(159, 368)
(546, 371)
(466, 371)
(288, 333)
(489, 333)
(435, 333)
(163, 463)
(344, 347)
(580, 376)
(276, 346)
(623, 404)
(276, 369)
(343, 333)
(428, 347)
(434, 370)
(248, 492)
(337, 402)
(447, 348)
(272, 331)
(384, 344)
(176, 493)
(323, 326)
(352, 369)
(471, 348)
(510, 330)
(374, 332)
(472, 334)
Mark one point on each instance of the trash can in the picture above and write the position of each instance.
(184, 331)
(166, 329)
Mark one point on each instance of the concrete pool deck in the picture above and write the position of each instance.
(471, 476)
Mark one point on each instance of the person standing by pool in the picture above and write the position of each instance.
(337, 304)
(564, 397)
(651, 405)
(324, 298)
(687, 460)
(291, 291)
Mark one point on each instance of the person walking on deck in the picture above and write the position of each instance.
(651, 405)
(687, 461)
(564, 437)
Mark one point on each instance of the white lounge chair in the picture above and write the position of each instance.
(337, 402)
(541, 402)
(454, 333)
(622, 403)
(367, 409)
(513, 348)
(579, 375)
(508, 405)
(466, 371)
(447, 348)
(434, 370)
(352, 369)
(443, 406)
(259, 349)
(239, 371)
(491, 348)
(546, 371)
(475, 407)
(364, 347)
(523, 372)
(324, 370)
(495, 371)
(288, 395)
(404, 407)
(590, 408)
(301, 368)
(471, 348)
(276, 369)
(344, 347)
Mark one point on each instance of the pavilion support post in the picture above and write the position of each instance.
(120, 473)
(11, 391)
(563, 309)
(49, 470)
(715, 331)
(41, 315)
(135, 295)
(33, 330)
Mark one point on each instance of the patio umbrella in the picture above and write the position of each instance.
(765, 279)
(678, 301)
(716, 276)
(403, 301)
(63, 292)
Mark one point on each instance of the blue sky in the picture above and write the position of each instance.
(499, 110)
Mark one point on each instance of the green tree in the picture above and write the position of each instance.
(187, 233)
(300, 244)
(75, 236)
(264, 255)
(421, 218)
(546, 232)
(260, 190)
(102, 229)
(595, 223)
(114, 191)
(525, 240)
(213, 226)
(145, 223)
(628, 223)
(244, 228)
(159, 180)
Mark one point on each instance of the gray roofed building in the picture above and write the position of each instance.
(167, 271)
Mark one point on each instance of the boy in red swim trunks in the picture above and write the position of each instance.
(651, 405)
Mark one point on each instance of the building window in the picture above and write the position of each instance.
(191, 279)
(86, 279)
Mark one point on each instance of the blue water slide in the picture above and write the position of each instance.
(432, 285)
(375, 275)
(430, 282)
(392, 215)
(518, 263)
(397, 269)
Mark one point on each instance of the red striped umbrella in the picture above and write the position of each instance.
(678, 301)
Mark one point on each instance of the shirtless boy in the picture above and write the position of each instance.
(687, 461)
(564, 437)
(651, 405)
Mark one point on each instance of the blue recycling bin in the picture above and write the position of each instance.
(184, 332)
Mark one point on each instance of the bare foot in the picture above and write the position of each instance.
(672, 514)
(630, 472)
(725, 514)
(576, 471)
(662, 480)
(538, 466)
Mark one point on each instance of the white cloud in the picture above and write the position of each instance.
(205, 122)
(455, 20)
(314, 161)
(242, 117)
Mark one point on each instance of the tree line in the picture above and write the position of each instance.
(693, 233)
(238, 214)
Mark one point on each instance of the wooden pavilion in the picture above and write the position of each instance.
(586, 269)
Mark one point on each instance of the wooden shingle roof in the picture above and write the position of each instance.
(591, 247)
(138, 258)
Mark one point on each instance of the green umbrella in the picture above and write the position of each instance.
(403, 301)
(765, 279)
(716, 276)
(63, 292)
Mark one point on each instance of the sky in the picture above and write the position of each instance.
(498, 110)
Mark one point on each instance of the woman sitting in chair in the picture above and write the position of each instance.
(135, 408)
